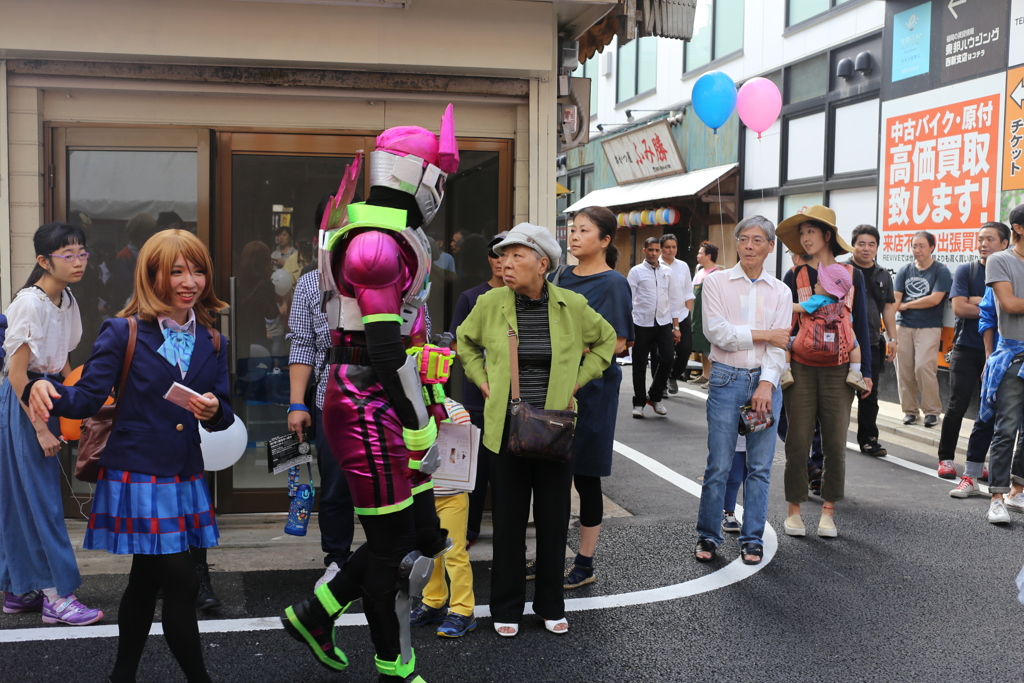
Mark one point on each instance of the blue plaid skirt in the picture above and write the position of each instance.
(141, 514)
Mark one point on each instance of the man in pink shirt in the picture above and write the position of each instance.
(747, 318)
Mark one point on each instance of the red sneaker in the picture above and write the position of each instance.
(946, 469)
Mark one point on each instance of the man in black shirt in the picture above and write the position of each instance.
(881, 306)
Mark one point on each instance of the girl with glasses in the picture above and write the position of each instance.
(38, 571)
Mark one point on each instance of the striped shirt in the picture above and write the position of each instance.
(534, 348)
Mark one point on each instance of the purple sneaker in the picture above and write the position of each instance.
(29, 602)
(68, 610)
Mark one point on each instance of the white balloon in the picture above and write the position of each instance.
(223, 449)
(282, 280)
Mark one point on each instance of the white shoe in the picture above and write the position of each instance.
(997, 513)
(638, 412)
(659, 407)
(1014, 503)
(967, 488)
(332, 571)
(827, 527)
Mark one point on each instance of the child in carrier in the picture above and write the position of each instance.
(833, 286)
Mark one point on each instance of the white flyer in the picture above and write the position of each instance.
(459, 445)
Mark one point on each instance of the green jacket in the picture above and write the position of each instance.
(574, 325)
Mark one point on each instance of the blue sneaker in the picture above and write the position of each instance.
(729, 523)
(456, 625)
(425, 614)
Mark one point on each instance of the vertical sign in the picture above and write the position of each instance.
(973, 39)
(941, 168)
(911, 38)
(1013, 133)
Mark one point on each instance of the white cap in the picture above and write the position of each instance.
(537, 238)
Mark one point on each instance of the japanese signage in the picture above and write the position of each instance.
(1013, 133)
(941, 172)
(974, 39)
(911, 38)
(648, 152)
(1016, 41)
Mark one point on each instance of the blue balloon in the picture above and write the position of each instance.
(714, 98)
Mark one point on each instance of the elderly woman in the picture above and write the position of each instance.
(555, 328)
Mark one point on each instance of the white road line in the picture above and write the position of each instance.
(730, 574)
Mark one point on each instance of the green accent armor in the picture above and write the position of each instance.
(396, 668)
(433, 394)
(329, 602)
(382, 318)
(420, 439)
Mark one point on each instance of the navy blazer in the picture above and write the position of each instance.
(151, 435)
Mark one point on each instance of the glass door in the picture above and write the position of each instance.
(269, 186)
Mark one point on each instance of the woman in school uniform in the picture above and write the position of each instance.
(151, 499)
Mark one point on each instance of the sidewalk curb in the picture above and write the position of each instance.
(925, 439)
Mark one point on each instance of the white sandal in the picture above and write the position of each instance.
(552, 625)
(499, 625)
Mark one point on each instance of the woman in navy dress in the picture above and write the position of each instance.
(151, 499)
(607, 292)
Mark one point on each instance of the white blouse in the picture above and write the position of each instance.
(50, 332)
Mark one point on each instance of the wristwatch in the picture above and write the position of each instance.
(675, 329)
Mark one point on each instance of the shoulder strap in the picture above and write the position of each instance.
(513, 359)
(556, 277)
(973, 273)
(803, 283)
(129, 353)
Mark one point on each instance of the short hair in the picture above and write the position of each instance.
(756, 222)
(710, 250)
(1002, 228)
(651, 240)
(166, 219)
(153, 277)
(927, 235)
(865, 229)
(666, 237)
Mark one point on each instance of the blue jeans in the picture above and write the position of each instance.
(1009, 404)
(736, 476)
(729, 389)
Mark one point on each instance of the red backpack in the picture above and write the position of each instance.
(825, 338)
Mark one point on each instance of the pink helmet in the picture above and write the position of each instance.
(414, 160)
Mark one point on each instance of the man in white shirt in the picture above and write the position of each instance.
(655, 302)
(747, 317)
(684, 292)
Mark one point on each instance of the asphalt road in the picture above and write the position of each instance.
(918, 587)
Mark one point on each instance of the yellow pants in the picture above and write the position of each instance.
(454, 514)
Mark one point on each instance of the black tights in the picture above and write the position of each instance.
(591, 500)
(176, 574)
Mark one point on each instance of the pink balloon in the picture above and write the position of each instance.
(758, 103)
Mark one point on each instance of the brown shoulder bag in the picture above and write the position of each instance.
(535, 433)
(96, 429)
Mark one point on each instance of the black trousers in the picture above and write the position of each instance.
(965, 367)
(651, 339)
(478, 496)
(336, 517)
(682, 353)
(867, 408)
(513, 480)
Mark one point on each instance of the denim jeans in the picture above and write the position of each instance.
(1009, 404)
(965, 367)
(736, 476)
(730, 389)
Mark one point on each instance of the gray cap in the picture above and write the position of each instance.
(537, 238)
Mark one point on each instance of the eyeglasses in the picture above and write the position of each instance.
(756, 241)
(70, 258)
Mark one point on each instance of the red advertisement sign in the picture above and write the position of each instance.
(940, 173)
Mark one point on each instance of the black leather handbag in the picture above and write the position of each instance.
(535, 433)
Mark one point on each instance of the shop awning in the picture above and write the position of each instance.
(682, 185)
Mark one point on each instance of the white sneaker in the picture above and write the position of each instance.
(997, 513)
(331, 572)
(1014, 503)
(638, 412)
(659, 407)
(967, 488)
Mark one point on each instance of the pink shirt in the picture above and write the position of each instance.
(703, 273)
(733, 306)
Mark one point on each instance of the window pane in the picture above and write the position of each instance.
(121, 198)
(698, 50)
(854, 207)
(728, 27)
(791, 204)
(856, 127)
(626, 71)
(805, 9)
(647, 71)
(806, 146)
(808, 79)
(590, 71)
(762, 158)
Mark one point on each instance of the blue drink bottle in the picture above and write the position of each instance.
(301, 508)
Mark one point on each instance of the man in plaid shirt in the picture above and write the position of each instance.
(310, 340)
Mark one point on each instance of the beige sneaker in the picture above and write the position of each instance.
(795, 526)
(856, 381)
(786, 381)
(827, 526)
